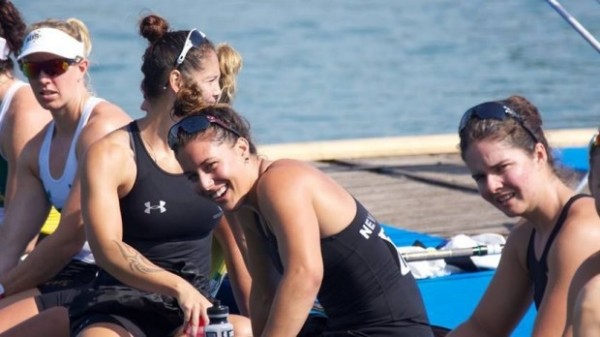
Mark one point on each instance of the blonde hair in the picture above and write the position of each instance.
(230, 64)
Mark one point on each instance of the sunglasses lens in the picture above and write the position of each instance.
(489, 110)
(194, 39)
(197, 37)
(51, 68)
(189, 125)
(29, 69)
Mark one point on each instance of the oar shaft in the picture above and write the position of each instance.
(456, 252)
(575, 24)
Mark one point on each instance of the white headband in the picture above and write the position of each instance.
(53, 41)
(4, 49)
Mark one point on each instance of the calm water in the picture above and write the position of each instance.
(317, 69)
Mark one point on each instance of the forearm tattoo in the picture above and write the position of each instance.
(137, 262)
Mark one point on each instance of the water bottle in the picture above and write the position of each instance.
(219, 325)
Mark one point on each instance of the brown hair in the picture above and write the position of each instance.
(189, 102)
(12, 29)
(509, 130)
(161, 54)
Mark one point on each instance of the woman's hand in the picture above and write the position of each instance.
(194, 306)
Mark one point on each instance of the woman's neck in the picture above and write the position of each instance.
(67, 117)
(259, 166)
(549, 205)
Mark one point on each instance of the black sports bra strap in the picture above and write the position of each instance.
(559, 223)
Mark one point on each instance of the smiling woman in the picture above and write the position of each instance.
(307, 237)
(506, 150)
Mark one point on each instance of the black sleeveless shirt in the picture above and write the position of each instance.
(171, 225)
(366, 287)
(538, 270)
(165, 220)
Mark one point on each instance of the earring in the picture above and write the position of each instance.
(246, 160)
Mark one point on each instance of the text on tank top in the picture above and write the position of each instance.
(364, 277)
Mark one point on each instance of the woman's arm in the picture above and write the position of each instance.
(286, 201)
(25, 120)
(236, 267)
(263, 273)
(507, 297)
(24, 218)
(577, 241)
(53, 253)
(107, 173)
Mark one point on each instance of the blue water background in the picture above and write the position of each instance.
(339, 69)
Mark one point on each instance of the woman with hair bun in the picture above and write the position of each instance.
(150, 234)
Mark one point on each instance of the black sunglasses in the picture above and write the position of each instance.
(493, 110)
(192, 125)
(595, 141)
(194, 39)
(52, 68)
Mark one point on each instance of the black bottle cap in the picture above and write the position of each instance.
(218, 309)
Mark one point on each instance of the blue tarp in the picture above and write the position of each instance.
(576, 158)
(450, 300)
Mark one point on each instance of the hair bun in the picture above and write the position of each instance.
(153, 27)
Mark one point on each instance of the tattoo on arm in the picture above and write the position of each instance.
(137, 262)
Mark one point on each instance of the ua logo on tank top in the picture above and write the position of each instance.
(160, 207)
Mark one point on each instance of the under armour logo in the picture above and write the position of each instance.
(149, 207)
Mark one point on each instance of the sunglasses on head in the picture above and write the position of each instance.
(52, 68)
(193, 39)
(192, 125)
(493, 110)
(595, 141)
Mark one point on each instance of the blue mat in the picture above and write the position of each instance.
(450, 300)
(576, 158)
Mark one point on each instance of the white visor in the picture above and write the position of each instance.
(4, 49)
(53, 41)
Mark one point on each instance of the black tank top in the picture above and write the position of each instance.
(538, 270)
(165, 220)
(365, 284)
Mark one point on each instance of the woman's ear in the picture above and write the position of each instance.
(83, 66)
(242, 147)
(175, 80)
(539, 152)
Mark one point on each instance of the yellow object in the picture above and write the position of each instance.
(218, 269)
(51, 222)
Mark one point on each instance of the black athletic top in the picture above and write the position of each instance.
(163, 218)
(538, 270)
(366, 288)
(171, 225)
